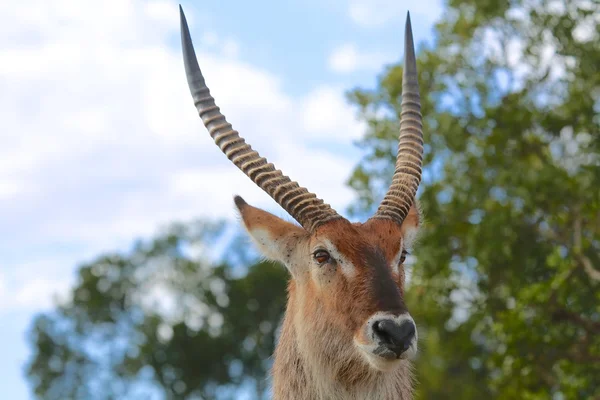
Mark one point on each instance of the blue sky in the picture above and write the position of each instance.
(100, 142)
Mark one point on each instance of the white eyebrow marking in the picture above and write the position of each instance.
(348, 269)
(410, 237)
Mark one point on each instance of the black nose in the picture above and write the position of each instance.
(396, 337)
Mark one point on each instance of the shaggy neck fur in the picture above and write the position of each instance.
(317, 360)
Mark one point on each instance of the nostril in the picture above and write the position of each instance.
(384, 331)
(387, 330)
(407, 333)
(377, 330)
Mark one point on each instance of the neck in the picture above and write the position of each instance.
(309, 366)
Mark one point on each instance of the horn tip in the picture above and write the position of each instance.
(409, 48)
(408, 27)
(181, 14)
(183, 24)
(192, 70)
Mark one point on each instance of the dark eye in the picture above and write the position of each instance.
(403, 256)
(321, 256)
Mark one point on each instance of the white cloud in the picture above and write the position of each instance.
(227, 46)
(100, 142)
(376, 13)
(327, 114)
(38, 293)
(344, 59)
(347, 58)
(33, 286)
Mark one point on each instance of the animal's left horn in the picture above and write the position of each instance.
(407, 176)
(301, 204)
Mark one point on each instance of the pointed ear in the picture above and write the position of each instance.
(276, 239)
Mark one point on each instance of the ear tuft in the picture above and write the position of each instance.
(275, 238)
(239, 202)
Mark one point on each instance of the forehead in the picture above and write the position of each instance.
(375, 238)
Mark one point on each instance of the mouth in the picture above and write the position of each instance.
(391, 353)
(387, 353)
(384, 359)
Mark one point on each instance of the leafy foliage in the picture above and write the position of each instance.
(160, 319)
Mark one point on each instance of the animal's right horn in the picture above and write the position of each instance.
(407, 176)
(302, 205)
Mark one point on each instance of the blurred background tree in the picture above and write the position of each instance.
(161, 321)
(506, 280)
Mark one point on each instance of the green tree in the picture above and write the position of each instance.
(161, 320)
(507, 279)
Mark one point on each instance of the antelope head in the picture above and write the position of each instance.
(346, 299)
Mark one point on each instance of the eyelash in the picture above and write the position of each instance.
(321, 254)
(403, 256)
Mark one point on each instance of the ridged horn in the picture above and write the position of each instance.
(407, 176)
(302, 205)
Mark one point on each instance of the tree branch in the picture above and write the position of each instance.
(592, 272)
(563, 314)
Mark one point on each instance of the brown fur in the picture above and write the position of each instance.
(316, 356)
